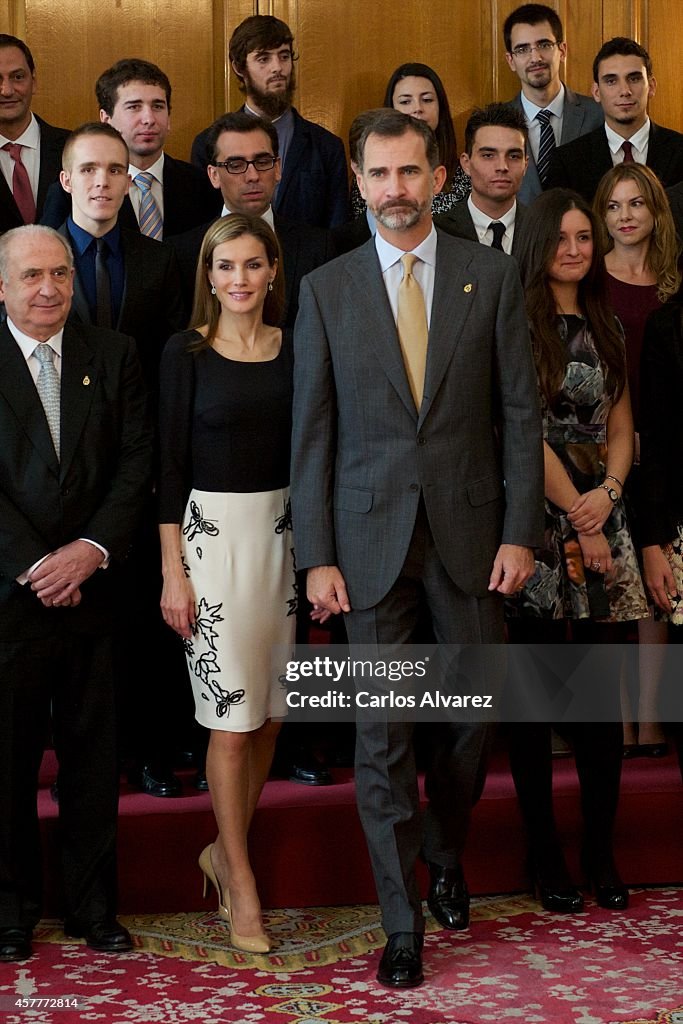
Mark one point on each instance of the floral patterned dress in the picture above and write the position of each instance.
(576, 430)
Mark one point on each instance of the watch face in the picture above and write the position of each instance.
(612, 493)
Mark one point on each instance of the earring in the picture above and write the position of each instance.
(213, 289)
(270, 286)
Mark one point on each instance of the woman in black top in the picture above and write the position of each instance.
(227, 559)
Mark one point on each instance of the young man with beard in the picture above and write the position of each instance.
(535, 50)
(623, 84)
(314, 185)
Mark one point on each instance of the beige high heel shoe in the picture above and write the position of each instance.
(247, 943)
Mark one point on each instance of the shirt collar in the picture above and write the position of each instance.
(27, 344)
(267, 215)
(482, 220)
(389, 254)
(555, 107)
(285, 116)
(82, 239)
(638, 140)
(156, 170)
(29, 138)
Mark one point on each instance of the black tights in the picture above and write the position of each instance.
(597, 749)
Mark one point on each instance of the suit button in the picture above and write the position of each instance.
(414, 487)
(422, 440)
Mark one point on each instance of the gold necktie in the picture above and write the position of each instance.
(412, 328)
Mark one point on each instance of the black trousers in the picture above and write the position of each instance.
(65, 681)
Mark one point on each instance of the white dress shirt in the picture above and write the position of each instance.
(482, 220)
(639, 142)
(267, 215)
(30, 156)
(555, 107)
(423, 269)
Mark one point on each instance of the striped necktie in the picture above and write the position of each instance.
(546, 145)
(150, 216)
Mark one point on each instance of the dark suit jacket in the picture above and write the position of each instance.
(303, 249)
(458, 222)
(362, 456)
(152, 307)
(675, 194)
(581, 164)
(349, 236)
(581, 115)
(315, 183)
(189, 199)
(51, 145)
(98, 488)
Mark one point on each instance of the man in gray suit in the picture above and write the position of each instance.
(410, 491)
(495, 160)
(535, 50)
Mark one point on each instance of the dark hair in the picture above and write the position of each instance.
(532, 14)
(621, 46)
(356, 130)
(538, 242)
(258, 32)
(6, 41)
(131, 69)
(240, 122)
(206, 308)
(499, 115)
(445, 133)
(90, 128)
(392, 124)
(664, 249)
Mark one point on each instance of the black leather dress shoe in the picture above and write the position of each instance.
(15, 944)
(156, 780)
(401, 963)
(310, 772)
(105, 936)
(200, 781)
(605, 882)
(448, 898)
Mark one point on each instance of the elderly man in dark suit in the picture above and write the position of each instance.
(244, 168)
(75, 471)
(30, 149)
(314, 186)
(495, 160)
(555, 114)
(408, 489)
(623, 83)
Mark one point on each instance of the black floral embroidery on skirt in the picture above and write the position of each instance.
(198, 524)
(284, 522)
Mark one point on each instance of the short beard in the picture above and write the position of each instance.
(271, 104)
(399, 216)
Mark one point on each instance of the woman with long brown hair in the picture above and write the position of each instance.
(228, 580)
(586, 575)
(639, 234)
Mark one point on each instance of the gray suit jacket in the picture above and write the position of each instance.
(458, 221)
(362, 454)
(581, 115)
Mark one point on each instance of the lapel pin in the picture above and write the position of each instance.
(86, 380)
(467, 288)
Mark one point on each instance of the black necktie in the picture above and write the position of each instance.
(102, 285)
(546, 144)
(498, 229)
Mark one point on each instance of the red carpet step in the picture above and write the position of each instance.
(308, 847)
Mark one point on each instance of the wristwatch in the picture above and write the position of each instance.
(614, 496)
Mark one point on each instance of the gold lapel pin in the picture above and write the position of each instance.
(86, 380)
(467, 289)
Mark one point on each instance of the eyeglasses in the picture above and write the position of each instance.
(238, 165)
(526, 49)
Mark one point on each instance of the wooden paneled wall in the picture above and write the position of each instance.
(347, 50)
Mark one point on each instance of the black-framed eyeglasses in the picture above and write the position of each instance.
(238, 165)
(526, 49)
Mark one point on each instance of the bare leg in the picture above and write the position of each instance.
(652, 639)
(236, 768)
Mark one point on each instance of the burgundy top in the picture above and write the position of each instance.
(633, 304)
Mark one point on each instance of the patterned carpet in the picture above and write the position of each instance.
(515, 964)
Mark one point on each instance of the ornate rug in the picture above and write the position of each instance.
(515, 964)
